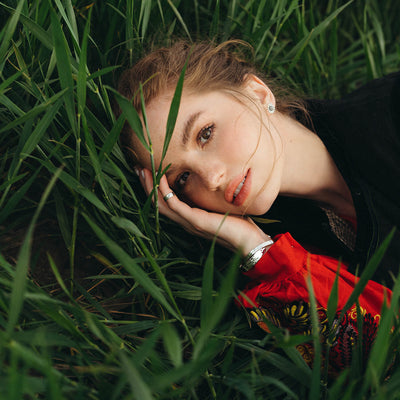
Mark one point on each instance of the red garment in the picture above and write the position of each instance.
(278, 294)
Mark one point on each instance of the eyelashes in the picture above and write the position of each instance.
(181, 181)
(204, 136)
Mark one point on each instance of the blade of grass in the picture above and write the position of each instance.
(315, 389)
(8, 31)
(145, 11)
(82, 76)
(129, 29)
(210, 317)
(64, 68)
(173, 111)
(19, 285)
(128, 225)
(295, 53)
(132, 117)
(132, 267)
(172, 344)
(69, 19)
(111, 139)
(74, 185)
(379, 355)
(15, 199)
(368, 272)
(139, 388)
(33, 112)
(180, 19)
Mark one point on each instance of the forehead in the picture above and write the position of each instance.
(157, 111)
(156, 115)
(208, 104)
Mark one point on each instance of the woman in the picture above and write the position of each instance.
(327, 171)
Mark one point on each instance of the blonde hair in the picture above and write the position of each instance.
(210, 67)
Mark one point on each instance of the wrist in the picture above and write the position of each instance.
(255, 255)
(251, 241)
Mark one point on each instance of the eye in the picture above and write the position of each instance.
(205, 134)
(181, 181)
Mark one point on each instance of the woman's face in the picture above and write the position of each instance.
(224, 155)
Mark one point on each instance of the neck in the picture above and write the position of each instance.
(309, 170)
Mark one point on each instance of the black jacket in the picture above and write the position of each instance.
(362, 134)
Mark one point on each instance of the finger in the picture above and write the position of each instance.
(146, 179)
(165, 189)
(198, 221)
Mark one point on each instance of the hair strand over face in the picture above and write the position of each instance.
(210, 67)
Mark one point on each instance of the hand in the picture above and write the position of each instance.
(233, 231)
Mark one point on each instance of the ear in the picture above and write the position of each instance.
(257, 89)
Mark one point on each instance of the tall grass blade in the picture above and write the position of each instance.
(112, 138)
(173, 110)
(74, 185)
(129, 28)
(211, 317)
(20, 279)
(64, 68)
(295, 53)
(40, 129)
(145, 11)
(315, 388)
(131, 115)
(172, 344)
(139, 388)
(8, 31)
(368, 272)
(32, 113)
(68, 19)
(15, 199)
(180, 19)
(333, 297)
(380, 354)
(82, 76)
(132, 267)
(128, 226)
(207, 287)
(7, 82)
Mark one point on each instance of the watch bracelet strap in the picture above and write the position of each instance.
(255, 255)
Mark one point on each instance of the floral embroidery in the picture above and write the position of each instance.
(353, 312)
(296, 317)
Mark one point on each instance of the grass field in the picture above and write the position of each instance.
(101, 297)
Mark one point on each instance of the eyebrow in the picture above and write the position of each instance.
(188, 127)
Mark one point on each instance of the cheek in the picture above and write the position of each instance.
(247, 130)
(242, 143)
(209, 201)
(199, 198)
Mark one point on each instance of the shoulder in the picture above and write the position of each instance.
(377, 99)
(362, 133)
(363, 128)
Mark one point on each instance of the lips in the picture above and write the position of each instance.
(238, 189)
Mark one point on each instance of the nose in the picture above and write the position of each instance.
(210, 173)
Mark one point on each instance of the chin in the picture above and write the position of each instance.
(258, 209)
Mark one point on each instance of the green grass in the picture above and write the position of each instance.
(101, 298)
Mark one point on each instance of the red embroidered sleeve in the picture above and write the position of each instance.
(278, 294)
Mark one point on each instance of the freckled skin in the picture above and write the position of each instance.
(239, 141)
(228, 140)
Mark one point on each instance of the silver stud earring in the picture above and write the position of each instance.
(271, 108)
